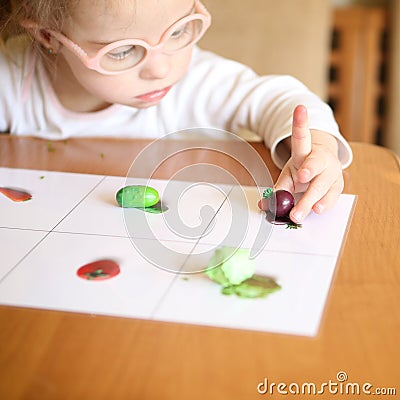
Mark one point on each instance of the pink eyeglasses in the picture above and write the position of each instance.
(127, 54)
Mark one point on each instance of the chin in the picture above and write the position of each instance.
(142, 105)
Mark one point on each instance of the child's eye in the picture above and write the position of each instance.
(122, 57)
(178, 33)
(120, 53)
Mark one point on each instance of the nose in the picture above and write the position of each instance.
(156, 66)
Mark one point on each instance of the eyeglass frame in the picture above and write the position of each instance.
(93, 62)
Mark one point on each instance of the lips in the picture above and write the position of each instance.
(156, 95)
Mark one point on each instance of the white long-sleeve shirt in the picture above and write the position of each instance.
(215, 93)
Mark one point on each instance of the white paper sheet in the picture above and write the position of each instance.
(73, 219)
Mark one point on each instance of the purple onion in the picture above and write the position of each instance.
(280, 203)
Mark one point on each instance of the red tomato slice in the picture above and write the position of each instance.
(99, 270)
(15, 194)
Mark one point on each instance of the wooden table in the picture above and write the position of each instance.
(56, 355)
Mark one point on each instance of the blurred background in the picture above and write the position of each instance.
(347, 51)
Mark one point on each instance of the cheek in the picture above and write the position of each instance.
(106, 87)
(182, 60)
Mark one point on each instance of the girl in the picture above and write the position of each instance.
(131, 68)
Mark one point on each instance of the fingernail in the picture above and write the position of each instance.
(318, 208)
(298, 216)
(305, 174)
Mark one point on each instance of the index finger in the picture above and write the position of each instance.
(301, 136)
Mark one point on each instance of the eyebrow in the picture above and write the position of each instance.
(105, 43)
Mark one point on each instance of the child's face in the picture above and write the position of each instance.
(96, 23)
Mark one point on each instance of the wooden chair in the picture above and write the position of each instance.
(358, 72)
(338, 53)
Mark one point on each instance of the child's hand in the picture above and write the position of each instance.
(314, 168)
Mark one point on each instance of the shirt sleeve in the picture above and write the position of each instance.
(4, 91)
(12, 66)
(231, 96)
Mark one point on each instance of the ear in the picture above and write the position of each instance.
(42, 35)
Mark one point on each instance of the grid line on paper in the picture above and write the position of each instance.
(169, 287)
(78, 203)
(48, 232)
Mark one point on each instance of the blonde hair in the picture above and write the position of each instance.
(47, 13)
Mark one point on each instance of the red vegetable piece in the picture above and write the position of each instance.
(99, 270)
(15, 194)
